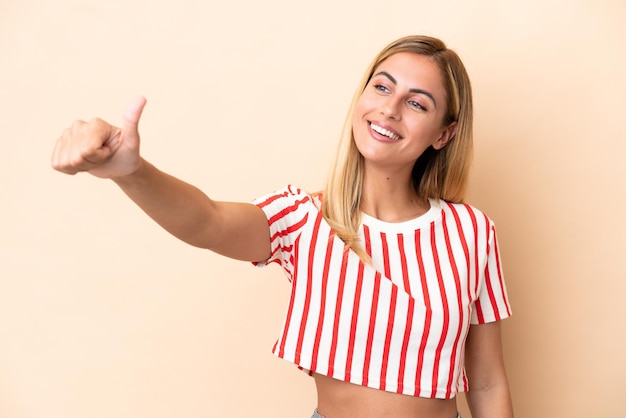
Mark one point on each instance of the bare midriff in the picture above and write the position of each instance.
(339, 399)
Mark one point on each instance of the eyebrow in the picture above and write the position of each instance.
(417, 91)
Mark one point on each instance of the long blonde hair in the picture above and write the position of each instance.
(439, 174)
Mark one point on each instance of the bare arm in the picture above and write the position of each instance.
(489, 395)
(236, 230)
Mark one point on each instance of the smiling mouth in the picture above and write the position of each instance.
(385, 132)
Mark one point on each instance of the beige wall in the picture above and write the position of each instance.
(104, 315)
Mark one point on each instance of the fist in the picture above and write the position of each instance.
(99, 148)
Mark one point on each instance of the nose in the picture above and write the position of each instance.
(390, 108)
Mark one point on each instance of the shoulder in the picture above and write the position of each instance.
(463, 208)
(287, 195)
(466, 213)
(287, 200)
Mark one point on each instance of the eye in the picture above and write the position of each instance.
(381, 88)
(416, 105)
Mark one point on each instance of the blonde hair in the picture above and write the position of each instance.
(439, 174)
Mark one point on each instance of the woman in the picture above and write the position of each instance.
(397, 289)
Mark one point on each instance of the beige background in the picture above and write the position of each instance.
(104, 315)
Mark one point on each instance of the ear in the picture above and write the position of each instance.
(447, 134)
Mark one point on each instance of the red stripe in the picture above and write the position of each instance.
(284, 212)
(281, 351)
(277, 196)
(492, 296)
(479, 312)
(463, 239)
(355, 308)
(467, 260)
(366, 238)
(446, 311)
(464, 380)
(338, 305)
(405, 344)
(476, 266)
(355, 315)
(479, 309)
(392, 312)
(457, 283)
(290, 228)
(320, 322)
(429, 312)
(390, 321)
(385, 248)
(405, 269)
(407, 327)
(307, 300)
(271, 199)
(372, 326)
(500, 275)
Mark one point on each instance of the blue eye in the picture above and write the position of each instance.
(381, 88)
(416, 105)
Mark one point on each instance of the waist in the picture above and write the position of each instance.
(336, 398)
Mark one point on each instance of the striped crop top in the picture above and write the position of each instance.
(398, 324)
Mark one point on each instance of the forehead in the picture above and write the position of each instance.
(413, 70)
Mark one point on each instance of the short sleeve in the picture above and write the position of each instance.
(287, 211)
(493, 302)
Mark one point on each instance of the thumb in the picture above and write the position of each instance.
(132, 114)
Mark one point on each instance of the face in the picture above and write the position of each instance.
(401, 111)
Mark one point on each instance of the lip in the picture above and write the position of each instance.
(380, 137)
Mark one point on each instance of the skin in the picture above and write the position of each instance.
(390, 100)
(405, 97)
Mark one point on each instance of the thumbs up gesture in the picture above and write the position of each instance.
(100, 148)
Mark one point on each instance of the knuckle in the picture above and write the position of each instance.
(83, 153)
(75, 161)
(77, 124)
(96, 123)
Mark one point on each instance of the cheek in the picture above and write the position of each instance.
(358, 116)
(365, 105)
(359, 109)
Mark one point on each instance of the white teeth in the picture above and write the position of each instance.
(384, 131)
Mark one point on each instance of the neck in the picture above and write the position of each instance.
(391, 197)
